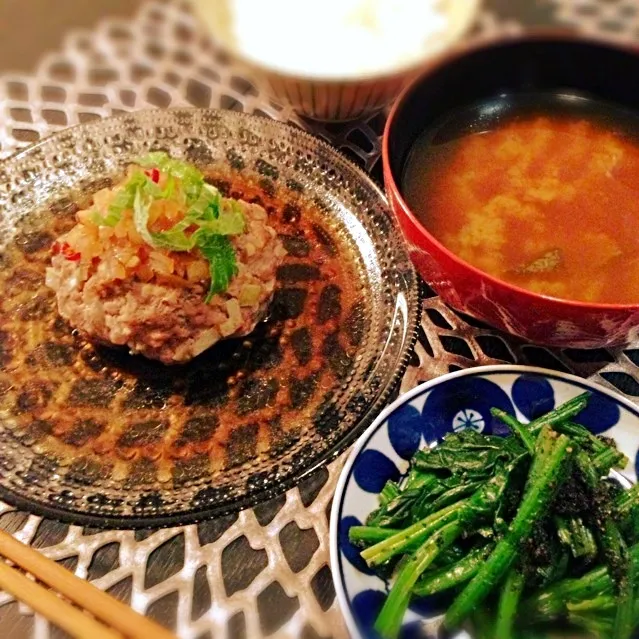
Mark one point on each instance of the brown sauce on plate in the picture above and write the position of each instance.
(105, 413)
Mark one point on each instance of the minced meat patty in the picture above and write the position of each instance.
(116, 290)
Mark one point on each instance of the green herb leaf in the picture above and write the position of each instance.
(110, 219)
(170, 191)
(219, 252)
(122, 201)
(207, 206)
(175, 239)
(141, 206)
(191, 178)
(215, 217)
(228, 223)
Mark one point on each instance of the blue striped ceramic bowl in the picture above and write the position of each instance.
(422, 417)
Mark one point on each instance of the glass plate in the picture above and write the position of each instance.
(96, 436)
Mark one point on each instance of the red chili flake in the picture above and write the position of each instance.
(162, 224)
(154, 174)
(143, 253)
(69, 253)
(95, 261)
(55, 248)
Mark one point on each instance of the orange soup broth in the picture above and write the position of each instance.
(547, 204)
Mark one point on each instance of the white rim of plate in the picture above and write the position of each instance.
(345, 473)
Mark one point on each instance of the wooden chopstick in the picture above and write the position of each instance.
(117, 615)
(44, 601)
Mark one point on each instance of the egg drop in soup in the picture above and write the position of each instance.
(543, 197)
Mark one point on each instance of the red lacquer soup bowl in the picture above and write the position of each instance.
(544, 63)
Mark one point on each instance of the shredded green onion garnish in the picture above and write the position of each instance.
(207, 224)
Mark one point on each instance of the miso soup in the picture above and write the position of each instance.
(541, 191)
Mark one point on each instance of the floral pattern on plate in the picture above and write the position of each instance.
(421, 418)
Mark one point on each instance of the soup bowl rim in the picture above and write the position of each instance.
(392, 182)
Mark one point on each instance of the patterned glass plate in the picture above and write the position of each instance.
(450, 403)
(97, 436)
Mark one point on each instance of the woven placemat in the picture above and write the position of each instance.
(264, 571)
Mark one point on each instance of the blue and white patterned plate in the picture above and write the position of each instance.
(422, 417)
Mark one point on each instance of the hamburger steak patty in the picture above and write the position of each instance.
(162, 319)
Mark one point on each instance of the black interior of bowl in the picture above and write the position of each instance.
(549, 64)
